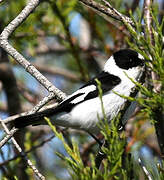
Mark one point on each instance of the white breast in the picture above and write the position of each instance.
(85, 115)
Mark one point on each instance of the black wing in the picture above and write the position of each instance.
(86, 92)
(89, 91)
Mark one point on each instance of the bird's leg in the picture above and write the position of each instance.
(121, 127)
(100, 155)
(96, 139)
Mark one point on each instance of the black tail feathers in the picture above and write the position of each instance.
(27, 120)
(33, 119)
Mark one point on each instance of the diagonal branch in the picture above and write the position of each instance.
(53, 91)
(7, 137)
(29, 8)
(28, 151)
(73, 49)
(35, 170)
(12, 118)
(120, 16)
(109, 11)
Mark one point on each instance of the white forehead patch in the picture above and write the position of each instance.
(140, 56)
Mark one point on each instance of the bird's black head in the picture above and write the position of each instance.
(127, 58)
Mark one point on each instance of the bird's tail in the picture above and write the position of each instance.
(33, 119)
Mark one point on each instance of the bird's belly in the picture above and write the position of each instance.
(86, 115)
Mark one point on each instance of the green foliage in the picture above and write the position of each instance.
(150, 102)
(74, 161)
(112, 166)
(154, 56)
(114, 150)
(43, 21)
(48, 21)
(150, 45)
(15, 178)
(115, 145)
(66, 6)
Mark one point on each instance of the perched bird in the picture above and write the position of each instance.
(81, 109)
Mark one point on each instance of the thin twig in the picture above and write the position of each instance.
(109, 11)
(7, 137)
(121, 17)
(73, 49)
(35, 109)
(35, 170)
(26, 152)
(148, 22)
(148, 175)
(159, 117)
(12, 118)
(29, 8)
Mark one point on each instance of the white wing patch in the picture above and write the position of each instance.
(84, 90)
(140, 56)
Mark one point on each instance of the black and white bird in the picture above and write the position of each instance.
(81, 109)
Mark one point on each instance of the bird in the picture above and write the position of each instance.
(82, 109)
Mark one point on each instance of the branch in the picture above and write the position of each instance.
(19, 58)
(148, 22)
(35, 170)
(73, 49)
(148, 19)
(109, 11)
(7, 137)
(12, 118)
(159, 116)
(30, 150)
(53, 91)
(147, 173)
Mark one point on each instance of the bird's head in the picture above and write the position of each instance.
(125, 61)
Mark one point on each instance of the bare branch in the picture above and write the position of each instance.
(54, 92)
(147, 173)
(159, 125)
(74, 50)
(35, 170)
(32, 4)
(120, 16)
(8, 137)
(148, 22)
(30, 150)
(148, 19)
(109, 11)
(35, 109)
(12, 118)
(19, 19)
